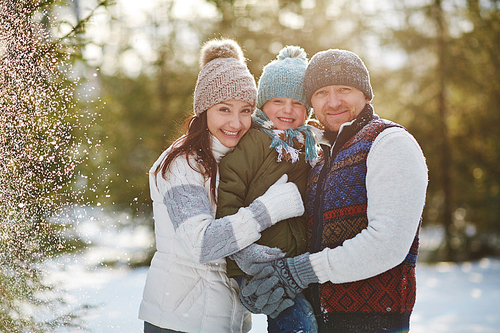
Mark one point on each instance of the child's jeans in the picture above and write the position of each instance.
(297, 318)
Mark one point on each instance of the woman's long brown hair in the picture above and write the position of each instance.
(196, 143)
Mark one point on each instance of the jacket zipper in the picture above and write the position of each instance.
(318, 206)
(318, 229)
(319, 203)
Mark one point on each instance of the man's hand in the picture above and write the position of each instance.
(272, 304)
(283, 278)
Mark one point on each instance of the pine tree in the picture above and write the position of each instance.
(38, 156)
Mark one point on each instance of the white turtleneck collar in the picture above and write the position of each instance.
(218, 149)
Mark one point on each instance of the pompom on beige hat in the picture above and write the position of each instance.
(224, 76)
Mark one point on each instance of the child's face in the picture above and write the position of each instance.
(285, 112)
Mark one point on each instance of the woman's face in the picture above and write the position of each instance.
(229, 120)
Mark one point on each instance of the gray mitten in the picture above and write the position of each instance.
(254, 254)
(290, 274)
(275, 302)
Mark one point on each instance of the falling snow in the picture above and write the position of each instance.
(38, 156)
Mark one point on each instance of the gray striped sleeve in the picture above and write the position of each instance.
(186, 201)
(219, 240)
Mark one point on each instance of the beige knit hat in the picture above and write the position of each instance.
(224, 76)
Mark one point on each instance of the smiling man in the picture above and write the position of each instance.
(364, 202)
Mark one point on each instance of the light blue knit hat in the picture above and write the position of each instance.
(284, 77)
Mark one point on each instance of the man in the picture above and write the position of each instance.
(364, 203)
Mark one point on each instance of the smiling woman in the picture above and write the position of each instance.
(187, 288)
(229, 120)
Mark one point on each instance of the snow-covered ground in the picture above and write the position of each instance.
(458, 298)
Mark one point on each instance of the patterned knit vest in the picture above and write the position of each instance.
(377, 303)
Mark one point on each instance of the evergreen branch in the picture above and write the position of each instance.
(81, 24)
(76, 29)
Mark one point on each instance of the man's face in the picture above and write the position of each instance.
(337, 104)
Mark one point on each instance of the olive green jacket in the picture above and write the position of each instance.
(245, 174)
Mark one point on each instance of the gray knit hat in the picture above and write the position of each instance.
(284, 77)
(224, 76)
(337, 67)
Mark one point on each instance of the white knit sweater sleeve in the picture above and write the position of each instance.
(396, 184)
(185, 198)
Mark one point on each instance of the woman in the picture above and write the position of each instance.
(187, 289)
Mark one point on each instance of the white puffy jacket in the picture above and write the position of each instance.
(187, 288)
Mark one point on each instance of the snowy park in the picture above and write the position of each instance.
(459, 298)
(92, 91)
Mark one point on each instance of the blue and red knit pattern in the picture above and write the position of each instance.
(344, 207)
(390, 292)
(343, 223)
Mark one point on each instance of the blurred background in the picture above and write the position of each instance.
(93, 91)
(434, 67)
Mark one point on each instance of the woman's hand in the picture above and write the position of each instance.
(282, 201)
(247, 258)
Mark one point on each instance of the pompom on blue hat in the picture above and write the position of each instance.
(284, 77)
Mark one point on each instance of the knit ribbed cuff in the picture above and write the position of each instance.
(282, 202)
(261, 215)
(303, 270)
(318, 262)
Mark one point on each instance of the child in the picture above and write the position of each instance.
(279, 143)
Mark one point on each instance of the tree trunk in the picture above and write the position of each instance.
(445, 146)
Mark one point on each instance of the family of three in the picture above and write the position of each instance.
(260, 209)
